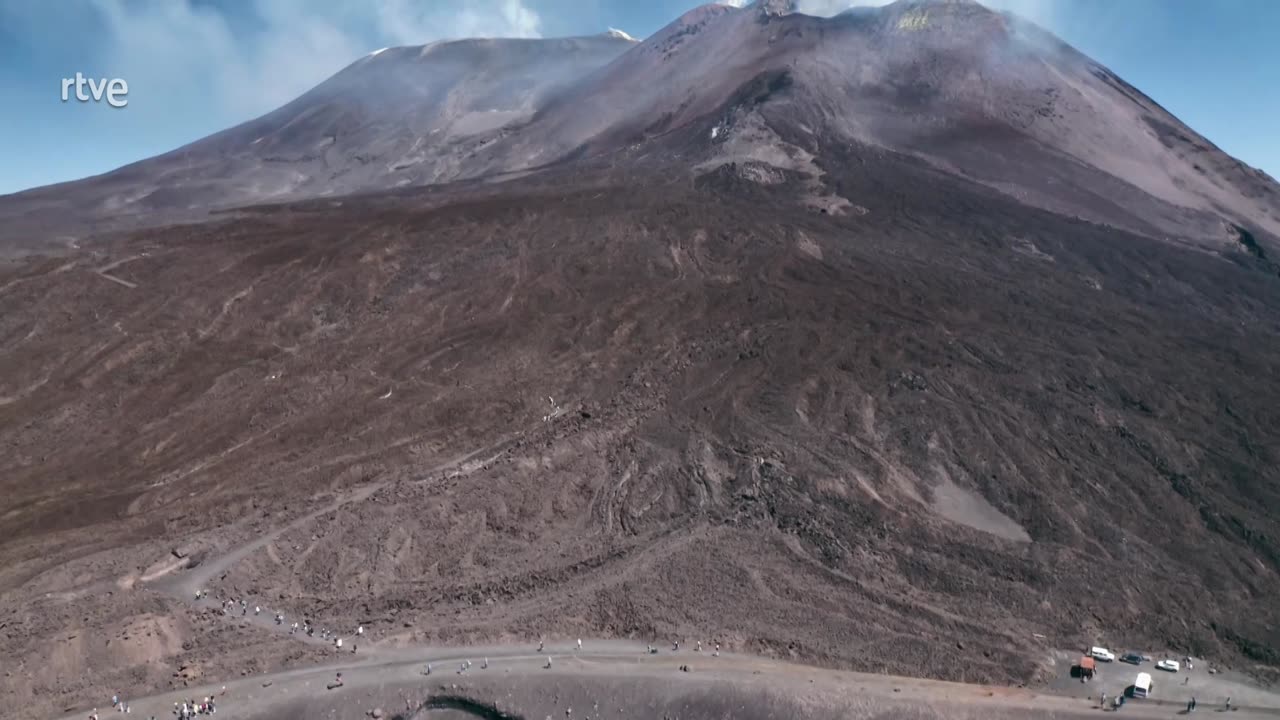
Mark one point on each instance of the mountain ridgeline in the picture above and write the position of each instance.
(968, 90)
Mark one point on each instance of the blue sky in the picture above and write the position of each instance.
(198, 66)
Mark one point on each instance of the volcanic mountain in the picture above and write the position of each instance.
(399, 116)
(968, 90)
(908, 340)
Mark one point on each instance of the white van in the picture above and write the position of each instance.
(1101, 653)
(1142, 686)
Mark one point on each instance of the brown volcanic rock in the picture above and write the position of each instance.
(753, 362)
(851, 438)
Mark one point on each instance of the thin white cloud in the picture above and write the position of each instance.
(405, 22)
(175, 48)
(825, 8)
(1041, 12)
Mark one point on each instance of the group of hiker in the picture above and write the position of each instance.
(1116, 702)
(230, 606)
(184, 710)
(675, 647)
(188, 709)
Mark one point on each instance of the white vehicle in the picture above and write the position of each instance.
(1168, 665)
(1101, 653)
(1142, 686)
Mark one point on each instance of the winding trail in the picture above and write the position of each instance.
(378, 675)
(183, 585)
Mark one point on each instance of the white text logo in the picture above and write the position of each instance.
(114, 89)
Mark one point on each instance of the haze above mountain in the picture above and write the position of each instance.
(968, 90)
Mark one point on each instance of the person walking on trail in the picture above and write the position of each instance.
(1228, 703)
(428, 670)
(548, 665)
(360, 630)
(539, 644)
(579, 643)
(1103, 701)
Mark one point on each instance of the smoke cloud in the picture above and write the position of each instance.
(250, 62)
(1046, 13)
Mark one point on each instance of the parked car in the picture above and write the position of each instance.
(1142, 686)
(1131, 658)
(1102, 654)
(1168, 665)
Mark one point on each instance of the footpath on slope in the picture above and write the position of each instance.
(184, 584)
(381, 670)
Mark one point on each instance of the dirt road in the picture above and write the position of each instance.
(384, 679)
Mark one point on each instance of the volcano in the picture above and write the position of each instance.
(905, 340)
(398, 116)
(973, 92)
